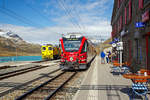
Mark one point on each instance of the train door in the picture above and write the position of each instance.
(148, 51)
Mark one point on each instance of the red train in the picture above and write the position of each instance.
(77, 52)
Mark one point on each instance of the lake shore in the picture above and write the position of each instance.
(20, 58)
(7, 54)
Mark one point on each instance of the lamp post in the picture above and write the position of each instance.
(120, 48)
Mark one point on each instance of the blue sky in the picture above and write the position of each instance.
(42, 21)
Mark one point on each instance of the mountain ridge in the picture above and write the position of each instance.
(12, 44)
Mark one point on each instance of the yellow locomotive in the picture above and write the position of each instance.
(50, 52)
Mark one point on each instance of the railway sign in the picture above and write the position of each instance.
(116, 39)
(120, 46)
(139, 24)
(114, 45)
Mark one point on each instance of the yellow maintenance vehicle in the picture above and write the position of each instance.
(50, 52)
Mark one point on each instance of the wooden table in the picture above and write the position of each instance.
(139, 87)
(137, 77)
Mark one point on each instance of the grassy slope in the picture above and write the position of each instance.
(103, 45)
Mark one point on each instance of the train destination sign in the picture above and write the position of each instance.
(72, 39)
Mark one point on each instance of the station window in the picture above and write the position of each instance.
(125, 17)
(120, 25)
(146, 2)
(138, 51)
(148, 51)
(130, 51)
(128, 12)
(118, 3)
(140, 2)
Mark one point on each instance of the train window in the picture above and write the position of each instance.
(72, 46)
(50, 48)
(44, 48)
(84, 48)
(61, 49)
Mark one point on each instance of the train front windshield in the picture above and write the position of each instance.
(72, 45)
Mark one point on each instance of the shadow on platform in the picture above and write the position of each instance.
(131, 94)
(113, 90)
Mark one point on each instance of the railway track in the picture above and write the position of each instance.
(21, 71)
(48, 89)
(44, 61)
(18, 90)
(5, 67)
(40, 61)
(12, 66)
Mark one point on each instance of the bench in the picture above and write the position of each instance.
(139, 86)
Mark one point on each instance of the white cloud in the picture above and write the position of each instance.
(89, 16)
(53, 34)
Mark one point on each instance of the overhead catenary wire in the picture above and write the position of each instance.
(23, 18)
(77, 15)
(38, 12)
(68, 13)
(17, 16)
(13, 16)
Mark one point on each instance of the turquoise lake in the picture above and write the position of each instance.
(20, 58)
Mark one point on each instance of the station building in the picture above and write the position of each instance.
(131, 24)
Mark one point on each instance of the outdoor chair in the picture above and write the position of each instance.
(140, 89)
(123, 69)
(140, 83)
(116, 67)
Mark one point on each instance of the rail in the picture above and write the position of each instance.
(21, 71)
(45, 83)
(54, 92)
(25, 85)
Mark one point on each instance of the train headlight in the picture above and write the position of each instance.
(71, 58)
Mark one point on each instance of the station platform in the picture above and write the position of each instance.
(101, 84)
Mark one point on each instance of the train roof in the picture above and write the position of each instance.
(47, 45)
(73, 35)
